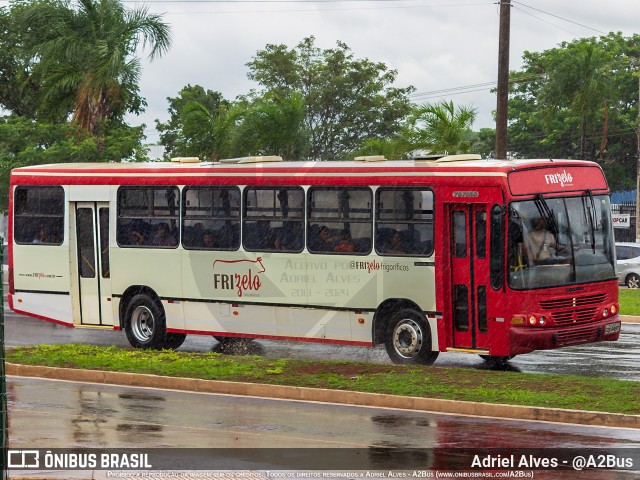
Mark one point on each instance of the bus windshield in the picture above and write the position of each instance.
(560, 241)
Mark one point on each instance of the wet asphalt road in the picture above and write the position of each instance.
(50, 414)
(58, 414)
(620, 360)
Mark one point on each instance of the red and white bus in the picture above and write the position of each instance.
(492, 257)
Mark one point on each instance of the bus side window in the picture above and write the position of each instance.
(273, 219)
(340, 220)
(404, 222)
(39, 215)
(148, 217)
(211, 218)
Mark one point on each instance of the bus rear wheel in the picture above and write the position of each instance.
(408, 339)
(174, 340)
(145, 323)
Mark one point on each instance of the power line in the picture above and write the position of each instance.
(562, 18)
(543, 20)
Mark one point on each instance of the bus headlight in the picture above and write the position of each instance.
(542, 321)
(614, 309)
(533, 320)
(605, 312)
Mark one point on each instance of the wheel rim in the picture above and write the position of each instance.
(142, 323)
(634, 281)
(407, 338)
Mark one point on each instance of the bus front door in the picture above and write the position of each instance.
(470, 275)
(90, 223)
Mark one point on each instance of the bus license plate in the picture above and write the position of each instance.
(611, 328)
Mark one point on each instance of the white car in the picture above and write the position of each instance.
(628, 263)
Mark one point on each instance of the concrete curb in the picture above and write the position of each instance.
(330, 396)
(629, 319)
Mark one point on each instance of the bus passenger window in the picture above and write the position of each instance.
(404, 222)
(39, 215)
(147, 217)
(273, 219)
(340, 220)
(211, 218)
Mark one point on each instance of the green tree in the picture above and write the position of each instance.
(19, 90)
(346, 100)
(272, 125)
(200, 124)
(579, 79)
(441, 128)
(25, 142)
(579, 100)
(86, 56)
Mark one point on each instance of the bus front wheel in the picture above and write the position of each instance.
(145, 324)
(408, 339)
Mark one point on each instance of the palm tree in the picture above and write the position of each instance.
(87, 56)
(441, 128)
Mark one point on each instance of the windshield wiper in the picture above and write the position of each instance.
(547, 214)
(592, 221)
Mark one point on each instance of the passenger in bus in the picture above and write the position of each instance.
(539, 242)
(326, 241)
(293, 237)
(274, 242)
(197, 234)
(42, 235)
(394, 244)
(163, 236)
(135, 236)
(209, 240)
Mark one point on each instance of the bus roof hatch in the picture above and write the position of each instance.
(268, 158)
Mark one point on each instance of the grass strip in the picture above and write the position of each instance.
(629, 301)
(553, 391)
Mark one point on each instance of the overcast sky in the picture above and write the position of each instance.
(434, 45)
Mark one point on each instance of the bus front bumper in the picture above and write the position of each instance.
(529, 339)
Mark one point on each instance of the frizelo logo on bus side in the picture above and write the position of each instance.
(246, 280)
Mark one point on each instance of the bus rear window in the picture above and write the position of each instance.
(39, 215)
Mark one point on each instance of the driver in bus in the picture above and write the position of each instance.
(539, 242)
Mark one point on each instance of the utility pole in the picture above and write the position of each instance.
(503, 80)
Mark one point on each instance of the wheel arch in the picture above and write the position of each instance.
(131, 292)
(383, 314)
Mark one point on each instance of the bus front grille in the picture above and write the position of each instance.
(576, 336)
(569, 302)
(573, 310)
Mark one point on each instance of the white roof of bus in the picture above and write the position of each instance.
(490, 163)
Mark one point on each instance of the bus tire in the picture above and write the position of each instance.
(145, 323)
(496, 360)
(174, 340)
(408, 339)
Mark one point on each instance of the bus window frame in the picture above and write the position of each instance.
(329, 220)
(184, 218)
(377, 221)
(60, 217)
(246, 218)
(175, 217)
